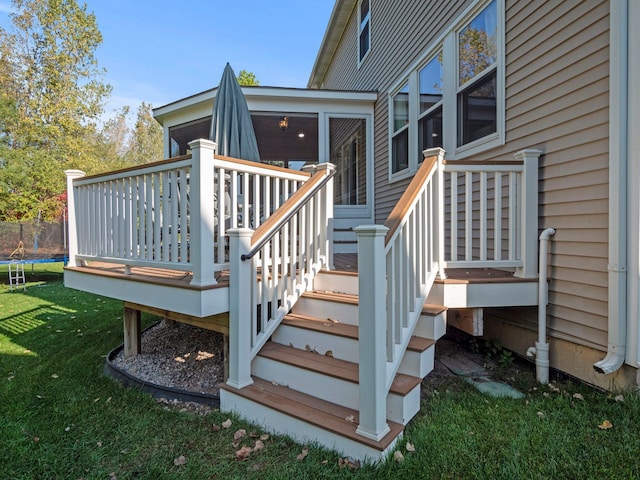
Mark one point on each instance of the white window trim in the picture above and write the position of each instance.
(361, 59)
(448, 43)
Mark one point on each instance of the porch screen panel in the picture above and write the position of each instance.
(347, 137)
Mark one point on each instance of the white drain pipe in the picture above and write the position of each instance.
(541, 350)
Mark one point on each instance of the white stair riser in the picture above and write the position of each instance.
(432, 327)
(418, 364)
(340, 347)
(403, 409)
(331, 282)
(280, 423)
(332, 389)
(343, 312)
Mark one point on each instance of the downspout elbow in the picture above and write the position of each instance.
(547, 233)
(613, 361)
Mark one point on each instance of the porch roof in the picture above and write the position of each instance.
(267, 96)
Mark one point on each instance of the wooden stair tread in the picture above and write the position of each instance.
(416, 344)
(432, 309)
(332, 297)
(319, 325)
(341, 369)
(323, 414)
(419, 344)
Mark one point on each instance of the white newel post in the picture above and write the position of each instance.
(372, 321)
(202, 212)
(528, 203)
(241, 280)
(438, 235)
(71, 214)
(326, 240)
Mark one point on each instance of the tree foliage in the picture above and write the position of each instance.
(52, 98)
(247, 79)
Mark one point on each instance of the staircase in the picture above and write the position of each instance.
(306, 377)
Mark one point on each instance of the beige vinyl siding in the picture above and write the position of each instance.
(400, 33)
(557, 87)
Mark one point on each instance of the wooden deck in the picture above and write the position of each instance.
(343, 262)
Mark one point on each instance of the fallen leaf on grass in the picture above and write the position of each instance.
(301, 456)
(181, 460)
(259, 445)
(577, 396)
(66, 429)
(398, 456)
(619, 398)
(264, 437)
(36, 439)
(215, 427)
(112, 476)
(226, 423)
(347, 462)
(99, 444)
(605, 425)
(239, 434)
(540, 415)
(243, 453)
(410, 447)
(54, 376)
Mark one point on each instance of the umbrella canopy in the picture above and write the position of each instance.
(231, 126)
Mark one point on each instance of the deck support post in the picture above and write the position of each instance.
(132, 338)
(528, 207)
(71, 213)
(241, 304)
(202, 212)
(372, 322)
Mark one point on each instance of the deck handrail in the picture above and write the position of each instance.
(397, 265)
(286, 212)
(271, 267)
(490, 220)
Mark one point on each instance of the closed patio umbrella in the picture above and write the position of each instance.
(231, 126)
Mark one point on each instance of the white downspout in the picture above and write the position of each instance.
(541, 350)
(618, 135)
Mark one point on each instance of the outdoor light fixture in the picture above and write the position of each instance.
(301, 135)
(284, 123)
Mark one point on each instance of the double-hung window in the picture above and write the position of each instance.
(454, 98)
(364, 29)
(430, 111)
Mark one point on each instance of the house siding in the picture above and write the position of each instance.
(557, 87)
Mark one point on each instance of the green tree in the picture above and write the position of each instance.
(247, 79)
(52, 98)
(145, 143)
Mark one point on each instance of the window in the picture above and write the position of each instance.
(400, 137)
(454, 99)
(364, 31)
(477, 58)
(430, 114)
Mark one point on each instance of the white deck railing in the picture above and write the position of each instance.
(397, 264)
(489, 214)
(453, 214)
(173, 214)
(275, 264)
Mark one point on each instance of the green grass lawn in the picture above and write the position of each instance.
(61, 418)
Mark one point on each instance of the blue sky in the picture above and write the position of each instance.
(159, 51)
